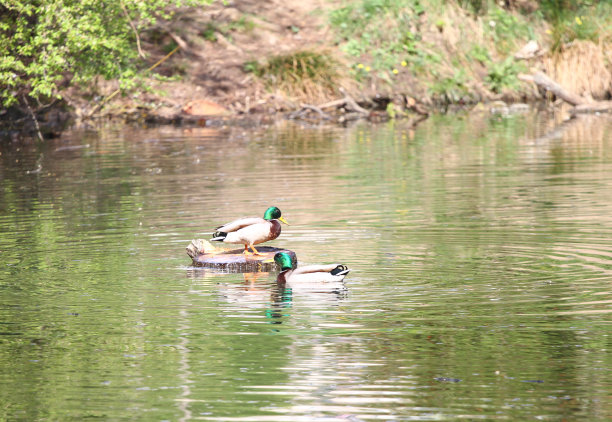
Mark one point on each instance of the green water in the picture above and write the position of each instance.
(480, 250)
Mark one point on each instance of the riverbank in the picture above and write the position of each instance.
(332, 61)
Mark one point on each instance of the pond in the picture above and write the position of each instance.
(480, 250)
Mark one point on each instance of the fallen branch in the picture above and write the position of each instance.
(346, 101)
(353, 104)
(305, 108)
(544, 82)
(185, 47)
(581, 104)
(334, 103)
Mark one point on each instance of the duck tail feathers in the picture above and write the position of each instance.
(340, 270)
(219, 236)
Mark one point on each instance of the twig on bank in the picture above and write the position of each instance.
(305, 107)
(354, 111)
(346, 101)
(163, 59)
(352, 103)
(38, 132)
(184, 46)
(180, 42)
(334, 103)
(127, 16)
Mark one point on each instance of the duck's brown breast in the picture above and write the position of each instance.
(275, 229)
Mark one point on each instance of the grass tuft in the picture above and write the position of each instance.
(306, 75)
(582, 68)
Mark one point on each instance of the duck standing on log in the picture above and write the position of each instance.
(308, 274)
(250, 231)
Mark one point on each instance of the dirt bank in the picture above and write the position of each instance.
(214, 45)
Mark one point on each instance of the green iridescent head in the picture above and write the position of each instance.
(284, 260)
(273, 213)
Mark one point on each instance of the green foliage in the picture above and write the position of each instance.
(385, 30)
(450, 89)
(381, 34)
(506, 28)
(475, 6)
(480, 53)
(504, 75)
(555, 10)
(242, 24)
(46, 42)
(209, 32)
(578, 20)
(211, 29)
(391, 112)
(251, 66)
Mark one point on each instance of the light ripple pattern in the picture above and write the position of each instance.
(480, 250)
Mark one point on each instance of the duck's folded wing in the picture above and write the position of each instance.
(326, 268)
(240, 223)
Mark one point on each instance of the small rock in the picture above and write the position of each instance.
(528, 51)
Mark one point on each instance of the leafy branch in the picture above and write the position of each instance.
(45, 44)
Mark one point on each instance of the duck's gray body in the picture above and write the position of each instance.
(326, 277)
(328, 273)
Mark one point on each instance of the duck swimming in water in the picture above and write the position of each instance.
(308, 274)
(251, 231)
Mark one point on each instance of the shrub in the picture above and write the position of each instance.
(504, 75)
(450, 90)
(46, 42)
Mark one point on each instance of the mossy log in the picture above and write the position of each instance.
(204, 254)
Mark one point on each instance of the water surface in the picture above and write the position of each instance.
(480, 248)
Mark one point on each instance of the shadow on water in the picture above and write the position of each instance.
(479, 249)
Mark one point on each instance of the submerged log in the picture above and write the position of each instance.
(204, 254)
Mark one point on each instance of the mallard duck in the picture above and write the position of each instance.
(250, 231)
(308, 274)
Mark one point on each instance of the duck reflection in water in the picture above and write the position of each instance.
(253, 293)
(310, 278)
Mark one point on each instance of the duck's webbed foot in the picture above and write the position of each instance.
(255, 251)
